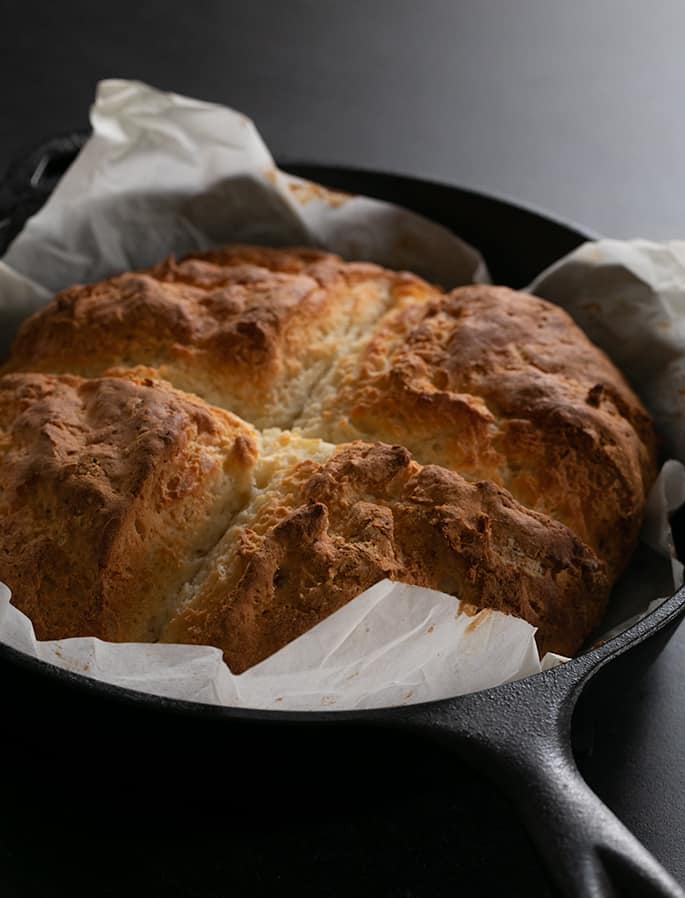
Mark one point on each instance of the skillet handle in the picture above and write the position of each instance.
(30, 179)
(520, 735)
(589, 852)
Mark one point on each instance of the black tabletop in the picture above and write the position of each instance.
(574, 108)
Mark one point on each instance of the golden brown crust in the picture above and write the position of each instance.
(132, 509)
(245, 328)
(502, 386)
(112, 491)
(330, 530)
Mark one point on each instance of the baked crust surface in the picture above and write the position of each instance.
(327, 531)
(245, 328)
(113, 490)
(503, 386)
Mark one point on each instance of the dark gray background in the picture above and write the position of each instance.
(575, 108)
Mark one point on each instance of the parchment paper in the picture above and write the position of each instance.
(164, 173)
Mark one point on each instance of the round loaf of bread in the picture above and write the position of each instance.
(227, 449)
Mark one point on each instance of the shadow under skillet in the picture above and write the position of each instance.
(420, 846)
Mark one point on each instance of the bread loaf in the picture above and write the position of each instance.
(227, 449)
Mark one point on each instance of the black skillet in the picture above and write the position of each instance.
(518, 733)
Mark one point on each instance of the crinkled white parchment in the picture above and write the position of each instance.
(392, 645)
(167, 174)
(629, 298)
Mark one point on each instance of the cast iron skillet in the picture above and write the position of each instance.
(518, 733)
